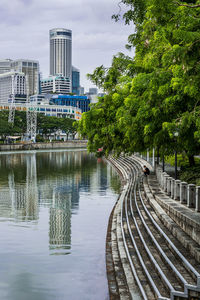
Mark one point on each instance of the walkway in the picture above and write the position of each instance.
(150, 255)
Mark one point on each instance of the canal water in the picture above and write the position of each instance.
(54, 210)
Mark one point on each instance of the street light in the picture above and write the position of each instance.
(176, 135)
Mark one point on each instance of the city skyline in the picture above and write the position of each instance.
(96, 38)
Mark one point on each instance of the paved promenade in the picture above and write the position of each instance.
(153, 242)
(44, 146)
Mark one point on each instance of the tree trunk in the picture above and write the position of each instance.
(191, 160)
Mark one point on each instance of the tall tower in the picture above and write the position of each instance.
(61, 52)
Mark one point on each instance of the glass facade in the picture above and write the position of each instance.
(81, 102)
(75, 81)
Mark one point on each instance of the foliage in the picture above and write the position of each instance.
(191, 174)
(186, 173)
(6, 128)
(45, 125)
(152, 99)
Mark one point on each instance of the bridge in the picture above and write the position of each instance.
(153, 239)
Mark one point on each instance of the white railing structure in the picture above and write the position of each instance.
(188, 194)
(12, 107)
(31, 115)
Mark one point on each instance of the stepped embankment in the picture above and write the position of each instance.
(150, 253)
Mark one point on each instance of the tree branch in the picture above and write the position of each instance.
(187, 5)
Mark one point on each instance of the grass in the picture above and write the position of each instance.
(186, 173)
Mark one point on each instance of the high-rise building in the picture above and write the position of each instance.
(93, 91)
(30, 68)
(12, 81)
(56, 84)
(75, 81)
(5, 65)
(61, 52)
(82, 90)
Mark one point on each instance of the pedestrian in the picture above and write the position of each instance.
(146, 170)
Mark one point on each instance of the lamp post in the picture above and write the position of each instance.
(163, 163)
(175, 135)
(175, 164)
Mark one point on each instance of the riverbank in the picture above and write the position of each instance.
(44, 146)
(145, 212)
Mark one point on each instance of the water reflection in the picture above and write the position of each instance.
(19, 201)
(52, 180)
(53, 204)
(60, 220)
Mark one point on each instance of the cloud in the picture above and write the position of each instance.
(25, 25)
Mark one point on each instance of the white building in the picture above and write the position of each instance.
(47, 109)
(5, 65)
(56, 84)
(61, 52)
(30, 68)
(12, 82)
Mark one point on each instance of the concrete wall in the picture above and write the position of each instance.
(47, 146)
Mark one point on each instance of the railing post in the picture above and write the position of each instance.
(153, 163)
(183, 192)
(169, 186)
(177, 190)
(191, 195)
(158, 174)
(162, 179)
(197, 208)
(172, 187)
(166, 176)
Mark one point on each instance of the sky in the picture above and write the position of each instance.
(25, 25)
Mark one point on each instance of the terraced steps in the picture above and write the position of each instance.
(151, 257)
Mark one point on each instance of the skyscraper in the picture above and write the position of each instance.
(61, 52)
(5, 65)
(75, 81)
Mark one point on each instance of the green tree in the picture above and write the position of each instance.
(67, 125)
(158, 89)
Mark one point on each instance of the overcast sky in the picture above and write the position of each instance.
(25, 25)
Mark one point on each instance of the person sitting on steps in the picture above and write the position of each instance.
(146, 170)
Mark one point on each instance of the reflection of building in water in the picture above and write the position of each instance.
(21, 202)
(100, 179)
(20, 197)
(68, 160)
(48, 186)
(60, 219)
(75, 194)
(103, 176)
(31, 209)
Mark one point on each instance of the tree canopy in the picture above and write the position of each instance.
(45, 124)
(152, 99)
